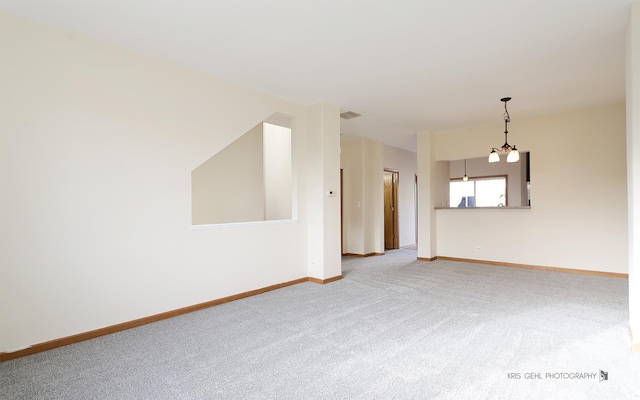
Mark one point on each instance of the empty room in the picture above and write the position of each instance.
(319, 199)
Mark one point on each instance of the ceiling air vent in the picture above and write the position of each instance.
(349, 115)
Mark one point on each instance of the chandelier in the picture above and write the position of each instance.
(513, 155)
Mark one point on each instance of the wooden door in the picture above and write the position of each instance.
(391, 239)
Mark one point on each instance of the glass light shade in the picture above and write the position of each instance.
(494, 156)
(465, 178)
(514, 155)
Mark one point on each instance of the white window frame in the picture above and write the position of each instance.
(481, 178)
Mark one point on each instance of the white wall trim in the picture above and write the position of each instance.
(239, 224)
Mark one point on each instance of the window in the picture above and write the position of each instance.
(490, 191)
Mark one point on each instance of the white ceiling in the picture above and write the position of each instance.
(406, 66)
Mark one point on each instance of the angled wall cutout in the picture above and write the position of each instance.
(249, 180)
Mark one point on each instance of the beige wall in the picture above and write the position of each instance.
(363, 191)
(98, 145)
(323, 165)
(229, 186)
(373, 206)
(277, 172)
(433, 191)
(633, 167)
(405, 162)
(351, 163)
(363, 162)
(578, 217)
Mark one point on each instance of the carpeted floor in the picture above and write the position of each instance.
(393, 328)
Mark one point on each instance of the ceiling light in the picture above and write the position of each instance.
(465, 177)
(513, 154)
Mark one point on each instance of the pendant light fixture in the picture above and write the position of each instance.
(513, 154)
(465, 177)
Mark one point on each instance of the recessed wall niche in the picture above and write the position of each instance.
(250, 180)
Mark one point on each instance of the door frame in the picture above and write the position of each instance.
(341, 214)
(395, 181)
(415, 199)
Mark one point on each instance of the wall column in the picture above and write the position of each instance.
(373, 197)
(433, 191)
(427, 243)
(633, 169)
(363, 196)
(323, 209)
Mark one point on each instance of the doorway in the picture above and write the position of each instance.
(415, 202)
(391, 235)
(341, 214)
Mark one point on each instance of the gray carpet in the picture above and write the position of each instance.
(393, 328)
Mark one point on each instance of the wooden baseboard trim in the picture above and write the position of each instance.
(427, 258)
(52, 344)
(362, 255)
(538, 267)
(325, 281)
